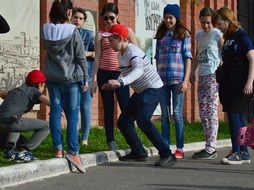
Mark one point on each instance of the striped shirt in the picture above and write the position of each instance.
(137, 71)
(108, 60)
(170, 58)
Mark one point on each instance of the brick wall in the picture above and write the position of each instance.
(189, 15)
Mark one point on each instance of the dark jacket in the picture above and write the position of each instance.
(234, 73)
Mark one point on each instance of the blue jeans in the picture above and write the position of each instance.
(236, 121)
(64, 96)
(165, 103)
(122, 94)
(141, 108)
(85, 113)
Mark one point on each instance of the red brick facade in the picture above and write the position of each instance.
(189, 14)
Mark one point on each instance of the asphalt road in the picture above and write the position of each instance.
(187, 174)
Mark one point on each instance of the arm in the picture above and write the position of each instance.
(220, 43)
(137, 72)
(4, 27)
(184, 85)
(132, 38)
(97, 58)
(3, 94)
(248, 88)
(44, 100)
(187, 56)
(193, 69)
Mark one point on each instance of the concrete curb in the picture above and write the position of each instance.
(23, 173)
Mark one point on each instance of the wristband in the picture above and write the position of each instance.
(121, 82)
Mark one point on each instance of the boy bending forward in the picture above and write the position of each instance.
(137, 72)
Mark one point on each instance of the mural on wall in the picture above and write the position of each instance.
(149, 14)
(19, 49)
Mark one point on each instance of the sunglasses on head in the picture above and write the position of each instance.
(112, 18)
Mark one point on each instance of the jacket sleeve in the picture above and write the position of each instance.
(4, 26)
(79, 53)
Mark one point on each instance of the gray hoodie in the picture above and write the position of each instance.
(65, 60)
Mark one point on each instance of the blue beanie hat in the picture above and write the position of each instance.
(172, 9)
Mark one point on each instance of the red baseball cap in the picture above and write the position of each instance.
(35, 77)
(116, 29)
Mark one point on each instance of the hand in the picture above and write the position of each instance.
(248, 89)
(114, 83)
(85, 87)
(111, 85)
(62, 114)
(183, 86)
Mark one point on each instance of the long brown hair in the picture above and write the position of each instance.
(58, 11)
(227, 15)
(180, 31)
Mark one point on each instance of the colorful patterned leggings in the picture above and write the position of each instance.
(208, 99)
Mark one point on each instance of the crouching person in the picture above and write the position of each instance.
(16, 103)
(141, 76)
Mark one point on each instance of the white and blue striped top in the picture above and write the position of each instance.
(137, 71)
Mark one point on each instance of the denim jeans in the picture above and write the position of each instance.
(64, 96)
(122, 94)
(141, 108)
(85, 113)
(177, 98)
(236, 121)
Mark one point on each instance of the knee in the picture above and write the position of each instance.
(143, 123)
(177, 115)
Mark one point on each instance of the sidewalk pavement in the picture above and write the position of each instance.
(38, 170)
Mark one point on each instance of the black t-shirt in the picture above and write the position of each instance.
(238, 44)
(235, 72)
(18, 101)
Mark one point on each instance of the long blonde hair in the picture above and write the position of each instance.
(227, 15)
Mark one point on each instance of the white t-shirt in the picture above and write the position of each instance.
(208, 56)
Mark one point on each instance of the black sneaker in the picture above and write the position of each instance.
(204, 155)
(25, 156)
(112, 146)
(166, 161)
(130, 157)
(10, 154)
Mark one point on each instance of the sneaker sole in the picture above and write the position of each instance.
(25, 161)
(168, 164)
(212, 157)
(79, 168)
(246, 161)
(231, 162)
